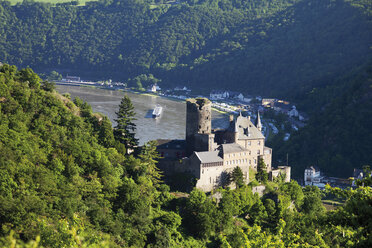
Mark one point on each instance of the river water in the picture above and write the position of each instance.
(170, 125)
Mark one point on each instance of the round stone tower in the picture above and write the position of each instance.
(198, 120)
(198, 116)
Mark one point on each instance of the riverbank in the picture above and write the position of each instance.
(170, 125)
(142, 93)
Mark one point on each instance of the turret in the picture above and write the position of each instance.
(258, 122)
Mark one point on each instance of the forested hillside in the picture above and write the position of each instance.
(265, 47)
(337, 137)
(66, 180)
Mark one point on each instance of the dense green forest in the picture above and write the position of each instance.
(67, 180)
(258, 46)
(337, 138)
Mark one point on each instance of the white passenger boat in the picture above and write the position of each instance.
(157, 111)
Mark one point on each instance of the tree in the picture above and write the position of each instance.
(149, 157)
(237, 177)
(125, 128)
(312, 204)
(261, 175)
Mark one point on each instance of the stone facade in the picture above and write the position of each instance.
(211, 155)
(281, 170)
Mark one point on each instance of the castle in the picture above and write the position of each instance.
(210, 155)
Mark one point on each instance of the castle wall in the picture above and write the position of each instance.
(280, 171)
(212, 177)
(204, 142)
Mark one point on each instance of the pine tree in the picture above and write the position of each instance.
(149, 157)
(237, 177)
(125, 128)
(262, 175)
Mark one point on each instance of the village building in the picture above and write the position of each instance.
(314, 177)
(218, 94)
(154, 88)
(268, 102)
(236, 95)
(71, 79)
(211, 155)
(181, 88)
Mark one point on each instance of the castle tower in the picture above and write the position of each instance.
(198, 125)
(236, 130)
(258, 122)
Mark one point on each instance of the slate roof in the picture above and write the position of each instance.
(246, 129)
(209, 157)
(232, 148)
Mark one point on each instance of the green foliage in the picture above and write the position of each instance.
(61, 177)
(336, 138)
(125, 127)
(63, 183)
(143, 81)
(350, 223)
(205, 44)
(262, 175)
(53, 75)
(237, 177)
(312, 201)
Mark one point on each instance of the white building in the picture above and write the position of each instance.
(313, 176)
(155, 88)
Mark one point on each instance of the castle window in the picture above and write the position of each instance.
(203, 171)
(249, 161)
(249, 143)
(259, 142)
(258, 151)
(255, 161)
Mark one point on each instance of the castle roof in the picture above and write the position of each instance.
(245, 129)
(231, 148)
(208, 157)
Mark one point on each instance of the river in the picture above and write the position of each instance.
(170, 125)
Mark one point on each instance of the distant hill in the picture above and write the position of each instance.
(338, 137)
(257, 46)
